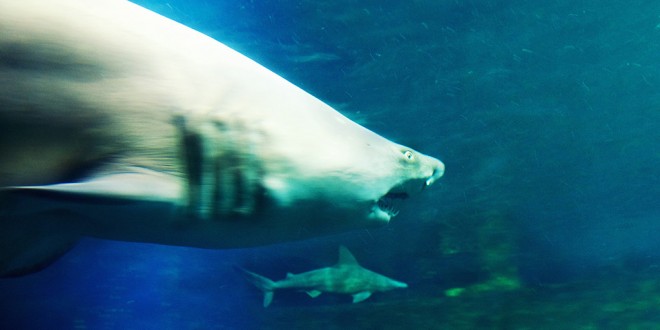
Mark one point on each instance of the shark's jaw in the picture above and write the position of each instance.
(387, 206)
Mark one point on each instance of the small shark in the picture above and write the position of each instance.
(346, 277)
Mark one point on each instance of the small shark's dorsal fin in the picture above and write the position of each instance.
(289, 275)
(346, 257)
(361, 296)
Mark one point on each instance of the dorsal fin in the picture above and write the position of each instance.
(346, 257)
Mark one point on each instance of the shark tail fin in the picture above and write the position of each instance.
(262, 283)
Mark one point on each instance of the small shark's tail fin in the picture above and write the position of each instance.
(264, 284)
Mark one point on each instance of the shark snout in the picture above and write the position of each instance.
(396, 285)
(438, 171)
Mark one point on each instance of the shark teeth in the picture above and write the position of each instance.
(390, 202)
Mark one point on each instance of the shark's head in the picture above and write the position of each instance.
(318, 171)
(353, 177)
(411, 173)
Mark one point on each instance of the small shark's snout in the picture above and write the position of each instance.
(438, 171)
(399, 285)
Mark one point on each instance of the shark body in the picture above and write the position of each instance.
(345, 277)
(118, 123)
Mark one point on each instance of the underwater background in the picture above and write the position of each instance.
(547, 116)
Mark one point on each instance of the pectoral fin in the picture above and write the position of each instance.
(313, 293)
(38, 224)
(361, 296)
(132, 184)
(29, 244)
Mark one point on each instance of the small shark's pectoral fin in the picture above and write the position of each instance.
(361, 296)
(268, 298)
(313, 293)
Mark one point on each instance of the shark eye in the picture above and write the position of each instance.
(409, 155)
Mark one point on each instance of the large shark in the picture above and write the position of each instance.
(118, 123)
(345, 277)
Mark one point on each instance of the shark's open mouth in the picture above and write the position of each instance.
(387, 206)
(390, 202)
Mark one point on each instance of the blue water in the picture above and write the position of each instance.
(547, 117)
